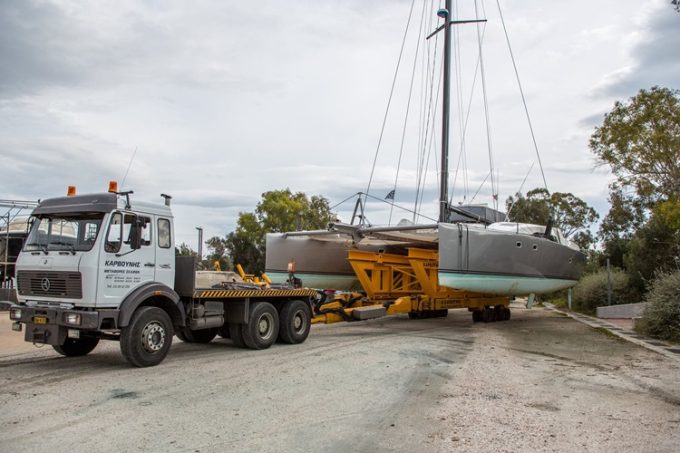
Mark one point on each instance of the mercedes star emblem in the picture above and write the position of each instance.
(45, 284)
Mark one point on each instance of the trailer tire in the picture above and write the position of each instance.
(477, 316)
(77, 347)
(295, 322)
(262, 329)
(488, 314)
(147, 339)
(197, 336)
(506, 314)
(236, 334)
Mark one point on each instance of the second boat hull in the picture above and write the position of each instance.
(474, 258)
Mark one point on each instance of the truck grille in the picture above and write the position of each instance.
(50, 284)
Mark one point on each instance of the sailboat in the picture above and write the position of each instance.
(475, 254)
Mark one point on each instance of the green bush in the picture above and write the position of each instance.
(591, 291)
(661, 318)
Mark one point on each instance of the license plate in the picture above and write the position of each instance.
(40, 319)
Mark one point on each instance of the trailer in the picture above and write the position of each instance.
(404, 284)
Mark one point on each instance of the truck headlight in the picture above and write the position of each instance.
(73, 319)
(15, 313)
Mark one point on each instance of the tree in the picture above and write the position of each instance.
(640, 140)
(655, 248)
(570, 214)
(278, 211)
(184, 250)
(217, 252)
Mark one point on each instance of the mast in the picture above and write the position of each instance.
(444, 178)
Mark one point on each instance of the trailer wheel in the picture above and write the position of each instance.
(147, 339)
(506, 314)
(236, 334)
(263, 326)
(488, 314)
(77, 347)
(196, 336)
(295, 322)
(477, 316)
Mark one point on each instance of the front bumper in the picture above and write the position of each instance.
(49, 325)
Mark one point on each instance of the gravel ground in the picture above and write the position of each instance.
(540, 381)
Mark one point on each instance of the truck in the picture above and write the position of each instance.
(103, 267)
(100, 267)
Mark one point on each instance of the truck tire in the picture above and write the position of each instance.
(147, 339)
(197, 336)
(295, 322)
(262, 329)
(236, 334)
(73, 347)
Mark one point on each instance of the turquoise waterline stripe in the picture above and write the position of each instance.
(503, 284)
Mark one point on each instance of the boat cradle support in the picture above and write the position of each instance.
(401, 284)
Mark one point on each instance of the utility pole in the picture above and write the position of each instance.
(609, 284)
(200, 243)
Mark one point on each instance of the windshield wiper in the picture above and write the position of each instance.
(43, 247)
(67, 244)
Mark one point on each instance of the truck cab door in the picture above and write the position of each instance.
(124, 267)
(165, 252)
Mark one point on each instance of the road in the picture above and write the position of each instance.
(540, 381)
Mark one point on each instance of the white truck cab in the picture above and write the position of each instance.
(93, 250)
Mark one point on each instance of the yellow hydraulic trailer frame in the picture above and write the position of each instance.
(401, 284)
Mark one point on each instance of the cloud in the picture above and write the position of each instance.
(655, 56)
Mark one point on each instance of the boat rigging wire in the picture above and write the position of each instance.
(429, 132)
(519, 192)
(426, 112)
(389, 101)
(486, 110)
(521, 91)
(408, 106)
(462, 155)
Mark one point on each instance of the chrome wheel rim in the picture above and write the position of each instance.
(299, 319)
(265, 326)
(153, 337)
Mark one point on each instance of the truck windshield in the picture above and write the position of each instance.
(64, 232)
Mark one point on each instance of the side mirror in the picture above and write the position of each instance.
(136, 235)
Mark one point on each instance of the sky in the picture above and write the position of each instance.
(215, 103)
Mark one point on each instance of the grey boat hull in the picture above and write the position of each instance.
(319, 262)
(477, 259)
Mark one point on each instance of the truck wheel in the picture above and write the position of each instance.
(236, 334)
(196, 336)
(76, 347)
(295, 322)
(147, 339)
(263, 326)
